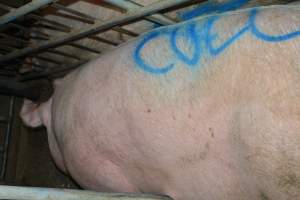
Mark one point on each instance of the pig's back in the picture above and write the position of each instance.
(157, 115)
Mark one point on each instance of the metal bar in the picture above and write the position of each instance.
(51, 27)
(76, 45)
(27, 29)
(130, 6)
(73, 44)
(51, 71)
(72, 11)
(14, 38)
(37, 17)
(93, 20)
(61, 53)
(34, 193)
(47, 59)
(23, 10)
(7, 136)
(68, 29)
(32, 90)
(101, 39)
(96, 28)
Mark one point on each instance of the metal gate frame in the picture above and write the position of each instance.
(134, 12)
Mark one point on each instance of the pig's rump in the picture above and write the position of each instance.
(206, 109)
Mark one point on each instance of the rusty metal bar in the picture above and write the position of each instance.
(96, 28)
(23, 10)
(130, 6)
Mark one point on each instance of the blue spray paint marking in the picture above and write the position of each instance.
(209, 37)
(195, 40)
(213, 7)
(201, 41)
(265, 37)
(142, 64)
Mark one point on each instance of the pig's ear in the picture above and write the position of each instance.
(30, 114)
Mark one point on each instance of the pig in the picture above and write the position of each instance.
(204, 109)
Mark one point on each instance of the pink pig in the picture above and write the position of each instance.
(206, 109)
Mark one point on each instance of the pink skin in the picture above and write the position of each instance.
(227, 130)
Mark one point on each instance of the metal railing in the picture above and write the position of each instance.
(34, 193)
(45, 43)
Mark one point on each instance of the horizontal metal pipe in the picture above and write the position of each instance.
(72, 11)
(130, 6)
(24, 42)
(101, 39)
(51, 27)
(68, 29)
(44, 19)
(47, 59)
(62, 53)
(93, 20)
(79, 46)
(38, 90)
(96, 28)
(34, 193)
(37, 17)
(51, 71)
(28, 29)
(23, 10)
(73, 44)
